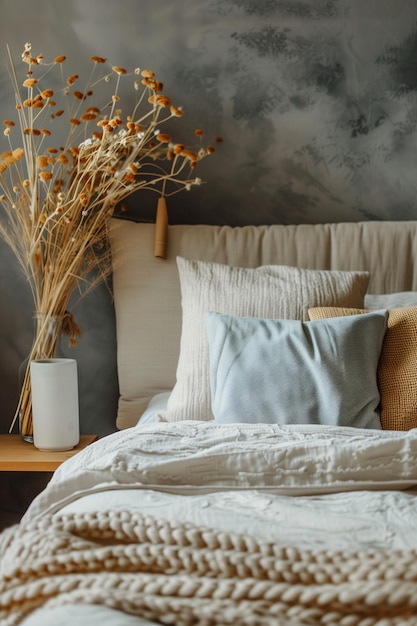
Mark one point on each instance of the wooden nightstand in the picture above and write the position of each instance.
(19, 456)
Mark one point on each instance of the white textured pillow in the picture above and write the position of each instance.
(270, 291)
(394, 300)
(295, 372)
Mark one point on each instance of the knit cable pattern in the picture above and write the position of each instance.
(179, 574)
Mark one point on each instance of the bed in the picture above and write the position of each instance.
(265, 465)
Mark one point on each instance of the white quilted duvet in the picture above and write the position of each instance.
(299, 485)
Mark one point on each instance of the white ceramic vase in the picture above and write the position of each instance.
(55, 404)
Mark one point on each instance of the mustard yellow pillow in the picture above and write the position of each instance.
(397, 366)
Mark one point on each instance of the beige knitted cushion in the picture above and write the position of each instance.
(397, 364)
(272, 291)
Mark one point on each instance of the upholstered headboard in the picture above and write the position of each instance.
(147, 291)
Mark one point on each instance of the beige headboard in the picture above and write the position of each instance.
(147, 292)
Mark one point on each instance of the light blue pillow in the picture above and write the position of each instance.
(294, 372)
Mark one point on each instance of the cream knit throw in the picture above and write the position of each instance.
(175, 573)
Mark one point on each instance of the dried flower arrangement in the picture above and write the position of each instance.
(56, 201)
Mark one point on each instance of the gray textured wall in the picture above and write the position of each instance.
(316, 101)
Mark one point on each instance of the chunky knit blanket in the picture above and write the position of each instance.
(176, 573)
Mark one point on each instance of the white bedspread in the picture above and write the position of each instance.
(305, 486)
(352, 486)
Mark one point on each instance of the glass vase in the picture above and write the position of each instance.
(46, 345)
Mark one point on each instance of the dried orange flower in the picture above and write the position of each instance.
(42, 161)
(71, 79)
(88, 117)
(163, 138)
(118, 69)
(176, 111)
(189, 154)
(163, 101)
(149, 82)
(18, 154)
(30, 82)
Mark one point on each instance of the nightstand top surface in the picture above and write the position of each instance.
(17, 455)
